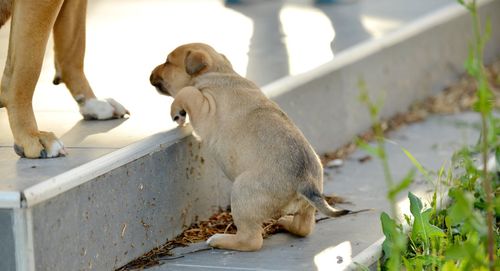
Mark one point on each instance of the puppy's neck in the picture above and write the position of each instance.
(217, 80)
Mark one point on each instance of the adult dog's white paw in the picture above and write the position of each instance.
(57, 149)
(94, 109)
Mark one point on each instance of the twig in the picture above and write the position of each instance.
(350, 213)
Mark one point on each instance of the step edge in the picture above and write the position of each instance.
(10, 199)
(74, 177)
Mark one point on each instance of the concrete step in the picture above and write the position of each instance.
(129, 185)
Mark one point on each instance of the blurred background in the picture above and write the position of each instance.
(264, 39)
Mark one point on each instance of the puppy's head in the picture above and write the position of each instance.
(184, 64)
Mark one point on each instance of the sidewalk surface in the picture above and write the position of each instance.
(265, 40)
(360, 181)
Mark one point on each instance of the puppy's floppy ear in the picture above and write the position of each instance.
(196, 62)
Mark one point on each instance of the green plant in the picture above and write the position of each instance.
(465, 234)
(484, 105)
(395, 242)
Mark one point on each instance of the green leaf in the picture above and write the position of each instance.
(462, 211)
(484, 103)
(462, 206)
(456, 252)
(394, 244)
(422, 229)
(408, 266)
(471, 253)
(449, 266)
(419, 265)
(470, 64)
(464, 4)
(497, 157)
(401, 185)
(361, 267)
(417, 164)
(372, 150)
(497, 205)
(388, 228)
(493, 133)
(428, 260)
(395, 241)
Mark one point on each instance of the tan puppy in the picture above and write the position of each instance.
(32, 22)
(274, 169)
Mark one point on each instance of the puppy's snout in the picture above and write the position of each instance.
(157, 82)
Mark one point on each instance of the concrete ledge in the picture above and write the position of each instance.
(106, 221)
(79, 175)
(109, 211)
(6, 238)
(10, 199)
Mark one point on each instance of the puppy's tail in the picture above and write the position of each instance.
(311, 193)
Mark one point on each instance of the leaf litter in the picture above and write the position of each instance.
(456, 98)
(220, 222)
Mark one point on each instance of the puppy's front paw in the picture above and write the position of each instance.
(94, 109)
(180, 117)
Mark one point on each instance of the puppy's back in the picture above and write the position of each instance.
(275, 132)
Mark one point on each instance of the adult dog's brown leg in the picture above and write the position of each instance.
(30, 28)
(69, 47)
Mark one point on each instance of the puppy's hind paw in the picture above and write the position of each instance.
(180, 117)
(236, 242)
(215, 240)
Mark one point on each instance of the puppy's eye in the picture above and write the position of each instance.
(183, 113)
(176, 118)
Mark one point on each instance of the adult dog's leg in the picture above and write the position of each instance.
(30, 28)
(69, 47)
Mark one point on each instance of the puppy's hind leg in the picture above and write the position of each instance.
(300, 224)
(247, 238)
(250, 206)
